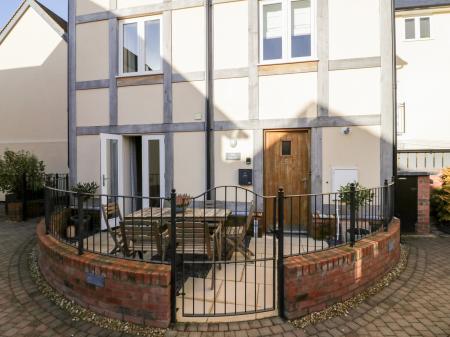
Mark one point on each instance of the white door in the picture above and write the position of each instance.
(153, 169)
(111, 170)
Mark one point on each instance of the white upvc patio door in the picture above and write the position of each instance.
(111, 170)
(153, 169)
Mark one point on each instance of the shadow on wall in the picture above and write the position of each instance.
(360, 148)
(33, 95)
(91, 6)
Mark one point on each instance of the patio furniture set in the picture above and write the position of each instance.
(199, 231)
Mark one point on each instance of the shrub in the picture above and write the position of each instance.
(362, 195)
(440, 199)
(14, 165)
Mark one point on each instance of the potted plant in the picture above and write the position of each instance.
(22, 176)
(182, 202)
(440, 202)
(363, 196)
(86, 190)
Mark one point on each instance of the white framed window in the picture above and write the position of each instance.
(418, 28)
(140, 45)
(287, 30)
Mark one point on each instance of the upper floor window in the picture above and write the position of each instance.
(287, 30)
(140, 45)
(417, 28)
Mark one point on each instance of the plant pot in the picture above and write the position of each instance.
(14, 207)
(180, 209)
(9, 198)
(74, 223)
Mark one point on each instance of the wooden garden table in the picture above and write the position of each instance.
(210, 215)
(215, 217)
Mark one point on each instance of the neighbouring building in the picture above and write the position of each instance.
(33, 85)
(423, 67)
(183, 94)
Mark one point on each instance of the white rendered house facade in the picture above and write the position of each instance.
(184, 94)
(423, 51)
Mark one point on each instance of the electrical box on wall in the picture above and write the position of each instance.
(342, 176)
(245, 177)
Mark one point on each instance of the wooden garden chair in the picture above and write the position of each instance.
(112, 211)
(195, 238)
(144, 236)
(323, 226)
(235, 234)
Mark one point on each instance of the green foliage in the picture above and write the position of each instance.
(440, 199)
(14, 165)
(362, 195)
(86, 188)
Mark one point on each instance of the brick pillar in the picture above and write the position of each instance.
(423, 205)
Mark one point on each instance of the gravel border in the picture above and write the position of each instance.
(343, 308)
(79, 313)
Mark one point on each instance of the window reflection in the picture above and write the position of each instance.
(130, 48)
(272, 32)
(301, 28)
(152, 46)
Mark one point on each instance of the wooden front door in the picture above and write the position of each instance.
(287, 165)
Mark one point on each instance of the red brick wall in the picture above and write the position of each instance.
(134, 291)
(423, 205)
(318, 280)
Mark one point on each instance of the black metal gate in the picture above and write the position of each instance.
(226, 255)
(226, 247)
(406, 202)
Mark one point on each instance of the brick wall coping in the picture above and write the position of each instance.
(318, 280)
(328, 259)
(133, 291)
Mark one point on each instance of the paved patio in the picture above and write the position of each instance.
(417, 304)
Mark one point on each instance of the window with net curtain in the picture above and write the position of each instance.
(286, 29)
(141, 46)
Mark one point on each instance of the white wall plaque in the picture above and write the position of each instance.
(233, 156)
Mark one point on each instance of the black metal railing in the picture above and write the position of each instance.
(227, 245)
(57, 180)
(318, 222)
(430, 160)
(26, 199)
(227, 253)
(120, 226)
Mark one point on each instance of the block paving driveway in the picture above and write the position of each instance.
(416, 304)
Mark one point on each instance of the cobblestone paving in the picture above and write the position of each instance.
(417, 304)
(23, 310)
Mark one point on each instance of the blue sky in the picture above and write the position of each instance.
(8, 7)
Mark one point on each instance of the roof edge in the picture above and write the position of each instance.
(414, 7)
(55, 17)
(52, 19)
(13, 20)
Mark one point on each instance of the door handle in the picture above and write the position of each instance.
(104, 180)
